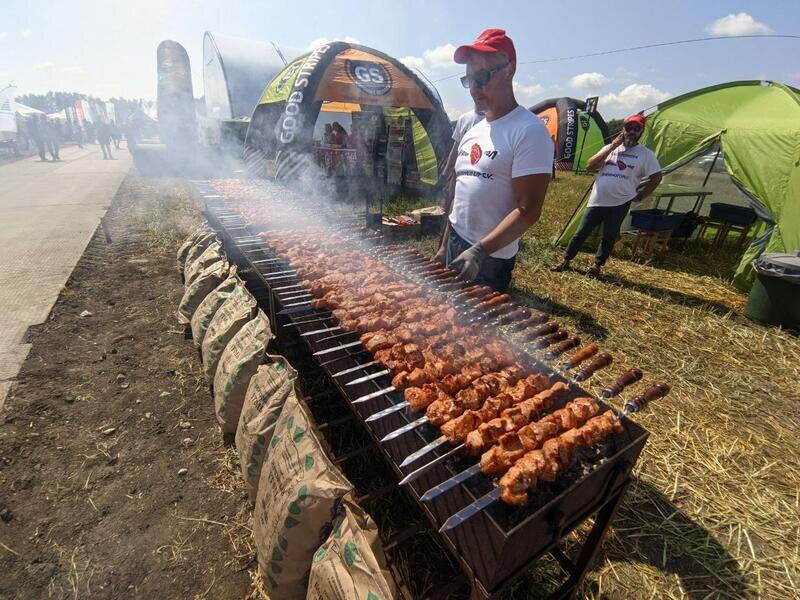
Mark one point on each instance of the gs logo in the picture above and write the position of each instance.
(370, 77)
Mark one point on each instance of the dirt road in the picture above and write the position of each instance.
(109, 409)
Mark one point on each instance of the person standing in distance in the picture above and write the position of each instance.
(622, 165)
(502, 169)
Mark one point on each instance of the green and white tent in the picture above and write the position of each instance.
(757, 126)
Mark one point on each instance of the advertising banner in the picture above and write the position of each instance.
(8, 118)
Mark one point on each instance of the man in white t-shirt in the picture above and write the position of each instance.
(623, 164)
(502, 168)
(463, 124)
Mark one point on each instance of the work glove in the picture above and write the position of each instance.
(469, 262)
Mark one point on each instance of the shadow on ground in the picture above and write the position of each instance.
(649, 532)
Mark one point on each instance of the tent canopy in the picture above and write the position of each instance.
(577, 135)
(757, 124)
(343, 77)
(234, 72)
(24, 110)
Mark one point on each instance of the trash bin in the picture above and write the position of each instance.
(775, 296)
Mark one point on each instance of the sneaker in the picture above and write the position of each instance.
(593, 271)
(562, 266)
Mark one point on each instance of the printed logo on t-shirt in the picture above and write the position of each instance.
(621, 165)
(475, 154)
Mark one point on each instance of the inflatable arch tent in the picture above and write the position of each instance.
(359, 78)
(757, 126)
(234, 72)
(176, 114)
(577, 134)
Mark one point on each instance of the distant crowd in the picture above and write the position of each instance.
(47, 135)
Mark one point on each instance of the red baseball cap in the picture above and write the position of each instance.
(491, 40)
(637, 118)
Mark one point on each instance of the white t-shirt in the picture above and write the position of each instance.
(465, 123)
(621, 174)
(490, 155)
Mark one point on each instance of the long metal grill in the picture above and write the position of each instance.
(499, 540)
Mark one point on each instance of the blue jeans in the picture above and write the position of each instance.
(495, 272)
(611, 217)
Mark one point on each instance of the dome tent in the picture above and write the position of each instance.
(282, 124)
(757, 124)
(576, 134)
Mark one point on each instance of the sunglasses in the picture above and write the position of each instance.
(482, 77)
(633, 128)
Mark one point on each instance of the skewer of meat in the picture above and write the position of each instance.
(545, 463)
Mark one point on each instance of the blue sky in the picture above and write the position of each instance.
(108, 47)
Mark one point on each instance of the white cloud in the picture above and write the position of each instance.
(440, 57)
(43, 66)
(635, 97)
(589, 81)
(323, 40)
(414, 62)
(737, 24)
(432, 59)
(3, 35)
(454, 112)
(25, 33)
(525, 94)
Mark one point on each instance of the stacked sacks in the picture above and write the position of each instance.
(238, 309)
(350, 565)
(206, 310)
(202, 285)
(202, 241)
(237, 365)
(298, 492)
(212, 254)
(190, 242)
(269, 388)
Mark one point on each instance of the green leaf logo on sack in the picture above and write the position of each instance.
(309, 462)
(298, 434)
(294, 508)
(371, 596)
(290, 522)
(350, 553)
(283, 543)
(320, 554)
(302, 493)
(276, 554)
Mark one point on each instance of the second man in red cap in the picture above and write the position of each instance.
(622, 165)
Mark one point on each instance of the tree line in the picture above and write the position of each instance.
(56, 101)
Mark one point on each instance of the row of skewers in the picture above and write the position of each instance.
(436, 338)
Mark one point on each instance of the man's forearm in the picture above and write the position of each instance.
(509, 229)
(650, 186)
(598, 159)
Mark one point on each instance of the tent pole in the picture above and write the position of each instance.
(713, 163)
(577, 208)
